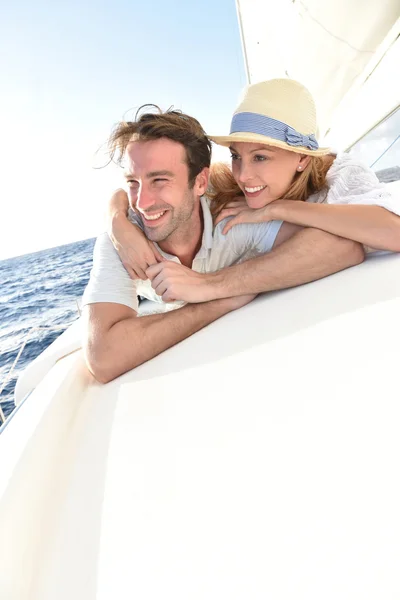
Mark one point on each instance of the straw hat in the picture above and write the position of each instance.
(278, 112)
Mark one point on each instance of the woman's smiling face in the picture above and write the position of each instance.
(264, 173)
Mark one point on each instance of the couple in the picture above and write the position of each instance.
(303, 214)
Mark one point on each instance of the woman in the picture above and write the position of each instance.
(279, 172)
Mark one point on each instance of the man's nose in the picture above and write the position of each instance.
(144, 198)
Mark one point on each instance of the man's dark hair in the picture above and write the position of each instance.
(173, 125)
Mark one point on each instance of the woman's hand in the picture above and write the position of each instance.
(134, 249)
(249, 215)
(276, 210)
(233, 208)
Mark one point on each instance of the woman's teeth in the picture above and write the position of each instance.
(153, 217)
(254, 189)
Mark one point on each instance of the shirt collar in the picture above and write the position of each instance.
(207, 239)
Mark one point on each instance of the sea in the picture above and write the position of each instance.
(40, 296)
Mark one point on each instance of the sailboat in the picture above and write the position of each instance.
(258, 458)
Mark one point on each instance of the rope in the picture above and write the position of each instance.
(2, 416)
(10, 372)
(383, 153)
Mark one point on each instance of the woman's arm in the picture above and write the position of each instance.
(372, 226)
(118, 205)
(134, 249)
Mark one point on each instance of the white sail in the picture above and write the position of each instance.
(331, 46)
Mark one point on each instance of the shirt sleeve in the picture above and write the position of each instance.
(135, 218)
(251, 239)
(352, 182)
(109, 281)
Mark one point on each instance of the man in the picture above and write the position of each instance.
(167, 156)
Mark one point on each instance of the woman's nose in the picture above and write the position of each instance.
(245, 172)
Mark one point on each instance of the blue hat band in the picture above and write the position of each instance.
(248, 122)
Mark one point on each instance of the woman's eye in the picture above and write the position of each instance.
(260, 157)
(234, 156)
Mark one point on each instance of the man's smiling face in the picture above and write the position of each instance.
(158, 186)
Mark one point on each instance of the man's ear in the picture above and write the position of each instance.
(201, 182)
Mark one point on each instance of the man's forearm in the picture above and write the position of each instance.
(307, 256)
(135, 340)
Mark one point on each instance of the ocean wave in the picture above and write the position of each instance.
(38, 290)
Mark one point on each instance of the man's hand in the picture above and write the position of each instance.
(173, 281)
(135, 250)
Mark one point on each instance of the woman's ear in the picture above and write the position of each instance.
(303, 162)
(201, 182)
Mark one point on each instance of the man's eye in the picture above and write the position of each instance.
(234, 156)
(132, 182)
(160, 179)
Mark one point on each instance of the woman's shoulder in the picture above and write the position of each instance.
(348, 167)
(350, 179)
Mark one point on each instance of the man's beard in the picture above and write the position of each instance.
(177, 221)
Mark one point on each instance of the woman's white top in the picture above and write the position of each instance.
(350, 181)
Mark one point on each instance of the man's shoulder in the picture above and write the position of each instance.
(102, 240)
(109, 281)
(104, 248)
(242, 230)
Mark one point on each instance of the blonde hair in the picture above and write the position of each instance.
(224, 189)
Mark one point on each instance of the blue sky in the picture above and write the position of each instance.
(70, 71)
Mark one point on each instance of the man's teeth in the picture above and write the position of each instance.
(154, 216)
(254, 189)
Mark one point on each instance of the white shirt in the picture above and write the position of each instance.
(110, 282)
(350, 181)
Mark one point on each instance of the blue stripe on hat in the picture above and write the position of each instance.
(255, 123)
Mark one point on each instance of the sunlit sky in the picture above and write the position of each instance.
(70, 71)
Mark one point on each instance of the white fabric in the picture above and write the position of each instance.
(350, 181)
(110, 282)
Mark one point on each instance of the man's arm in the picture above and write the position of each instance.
(308, 255)
(117, 340)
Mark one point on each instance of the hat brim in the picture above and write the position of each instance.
(255, 138)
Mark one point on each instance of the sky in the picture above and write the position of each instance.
(69, 71)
